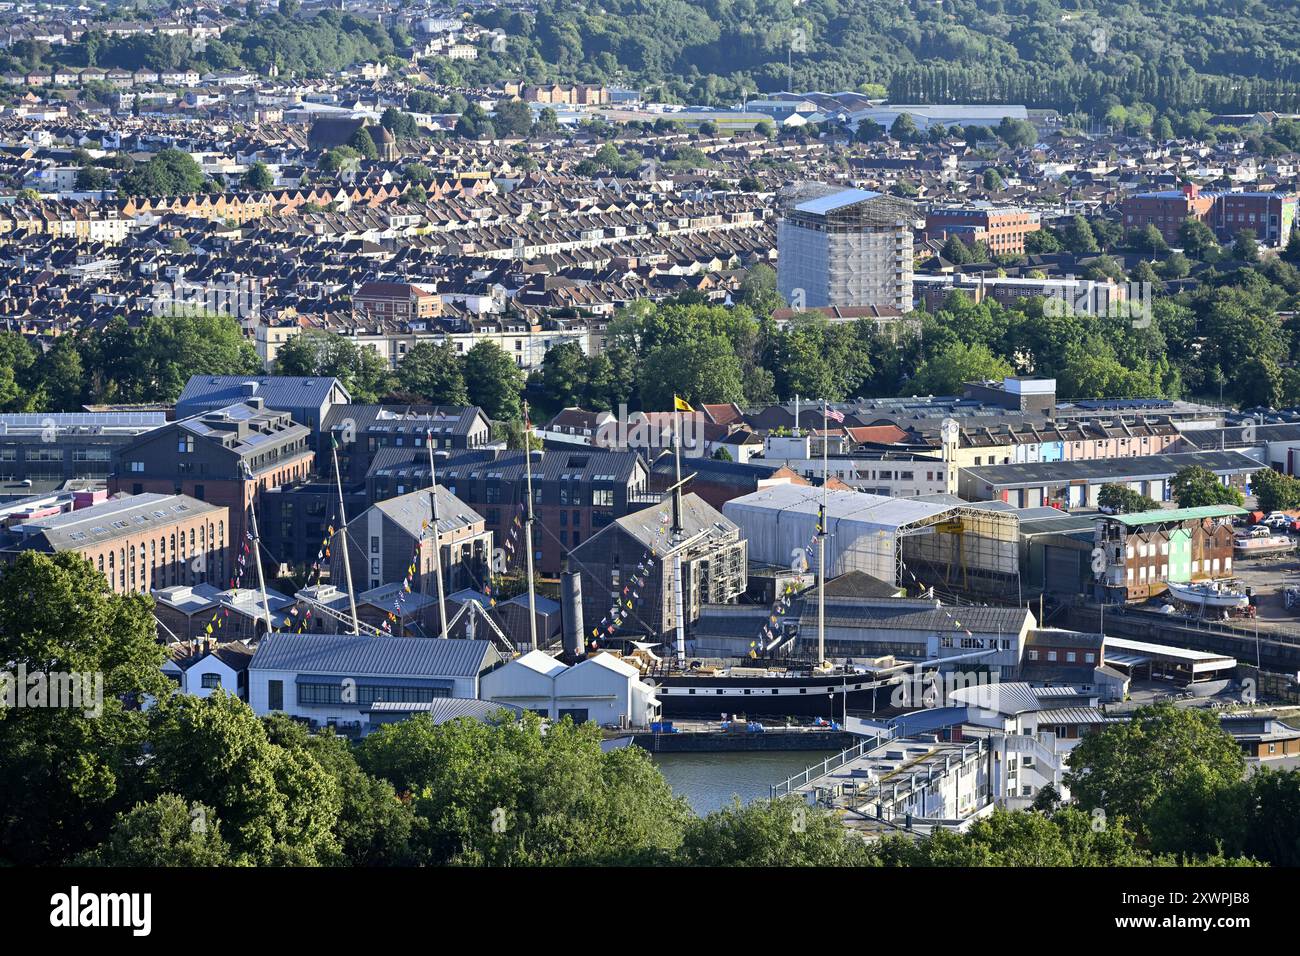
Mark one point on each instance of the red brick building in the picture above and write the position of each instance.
(138, 542)
(225, 457)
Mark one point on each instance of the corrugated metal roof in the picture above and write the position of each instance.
(912, 615)
(373, 656)
(111, 519)
(1175, 514)
(444, 709)
(1071, 715)
(824, 204)
(1104, 469)
(281, 392)
(1009, 697)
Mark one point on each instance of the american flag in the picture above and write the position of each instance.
(833, 415)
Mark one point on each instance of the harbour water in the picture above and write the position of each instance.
(708, 780)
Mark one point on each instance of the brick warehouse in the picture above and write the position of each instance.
(138, 542)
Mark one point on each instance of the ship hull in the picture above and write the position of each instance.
(1220, 600)
(770, 697)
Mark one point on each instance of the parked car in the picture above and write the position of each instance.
(1258, 531)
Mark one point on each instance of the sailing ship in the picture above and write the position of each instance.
(766, 686)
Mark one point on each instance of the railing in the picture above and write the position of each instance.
(819, 770)
(346, 619)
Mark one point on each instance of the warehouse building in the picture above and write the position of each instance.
(1077, 484)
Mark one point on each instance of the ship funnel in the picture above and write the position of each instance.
(571, 609)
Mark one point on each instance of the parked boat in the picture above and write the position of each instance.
(1211, 594)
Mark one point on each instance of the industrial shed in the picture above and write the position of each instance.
(947, 544)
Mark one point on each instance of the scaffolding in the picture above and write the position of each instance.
(903, 541)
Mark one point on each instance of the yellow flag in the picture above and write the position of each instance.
(681, 405)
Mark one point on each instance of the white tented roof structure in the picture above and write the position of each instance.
(902, 541)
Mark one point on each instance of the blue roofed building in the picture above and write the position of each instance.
(307, 399)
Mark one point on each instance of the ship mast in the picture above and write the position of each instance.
(678, 598)
(528, 530)
(821, 545)
(343, 537)
(257, 548)
(433, 528)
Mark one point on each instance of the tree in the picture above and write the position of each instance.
(417, 173)
(758, 290)
(259, 177)
(278, 806)
(1121, 499)
(153, 362)
(506, 794)
(61, 375)
(1275, 491)
(1245, 248)
(771, 833)
(163, 832)
(374, 826)
(315, 352)
(1131, 769)
(494, 381)
(944, 372)
(562, 380)
(170, 172)
(1194, 486)
(706, 370)
(1291, 253)
(402, 125)
(512, 118)
(955, 251)
(868, 131)
(1079, 237)
(338, 159)
(1016, 133)
(904, 128)
(1066, 838)
(1198, 240)
(1148, 240)
(1047, 800)
(364, 144)
(434, 372)
(92, 179)
(65, 772)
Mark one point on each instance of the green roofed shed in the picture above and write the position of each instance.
(1162, 515)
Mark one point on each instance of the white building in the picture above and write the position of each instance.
(845, 247)
(335, 679)
(199, 674)
(603, 689)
